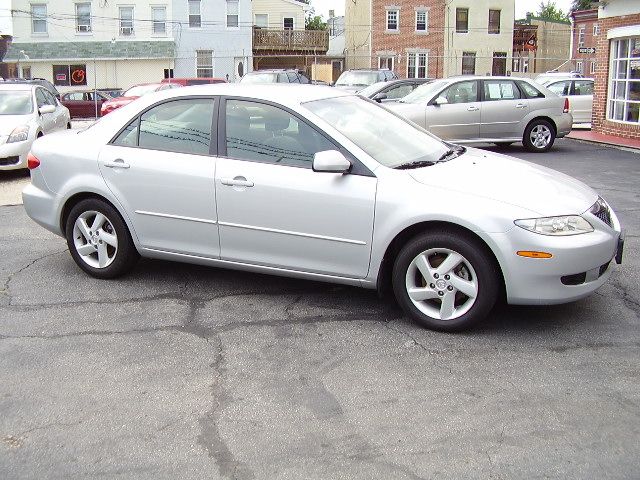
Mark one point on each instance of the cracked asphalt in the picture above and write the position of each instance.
(181, 371)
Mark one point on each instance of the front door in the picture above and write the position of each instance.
(164, 177)
(459, 118)
(274, 210)
(239, 68)
(499, 66)
(503, 109)
(48, 120)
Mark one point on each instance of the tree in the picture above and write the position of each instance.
(581, 5)
(314, 22)
(549, 11)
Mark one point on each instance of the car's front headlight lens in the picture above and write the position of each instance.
(19, 134)
(559, 226)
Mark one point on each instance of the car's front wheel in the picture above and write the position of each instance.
(539, 136)
(99, 240)
(445, 281)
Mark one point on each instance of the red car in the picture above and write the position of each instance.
(134, 92)
(84, 104)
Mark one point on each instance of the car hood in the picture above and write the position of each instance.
(9, 122)
(512, 181)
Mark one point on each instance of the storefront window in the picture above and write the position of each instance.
(624, 81)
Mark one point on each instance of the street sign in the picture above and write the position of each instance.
(587, 50)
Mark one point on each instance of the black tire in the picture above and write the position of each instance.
(68, 126)
(543, 124)
(483, 273)
(124, 256)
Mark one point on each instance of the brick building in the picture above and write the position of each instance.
(585, 32)
(430, 38)
(616, 100)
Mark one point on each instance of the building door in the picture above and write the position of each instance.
(499, 66)
(239, 68)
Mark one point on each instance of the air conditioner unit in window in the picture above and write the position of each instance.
(126, 30)
(84, 28)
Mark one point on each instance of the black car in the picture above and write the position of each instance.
(275, 75)
(356, 80)
(393, 90)
(36, 81)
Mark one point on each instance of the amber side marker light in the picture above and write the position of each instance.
(529, 254)
(32, 161)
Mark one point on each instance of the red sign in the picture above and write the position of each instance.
(61, 77)
(531, 44)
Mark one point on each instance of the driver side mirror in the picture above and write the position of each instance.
(331, 161)
(440, 101)
(46, 109)
(379, 97)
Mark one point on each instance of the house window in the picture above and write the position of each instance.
(26, 73)
(592, 68)
(494, 21)
(159, 17)
(287, 23)
(515, 67)
(261, 20)
(38, 18)
(468, 63)
(232, 14)
(126, 21)
(462, 20)
(499, 65)
(417, 65)
(581, 37)
(83, 17)
(204, 63)
(195, 21)
(579, 66)
(168, 73)
(623, 95)
(392, 20)
(596, 29)
(421, 21)
(386, 62)
(69, 75)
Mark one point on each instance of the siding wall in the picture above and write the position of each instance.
(277, 10)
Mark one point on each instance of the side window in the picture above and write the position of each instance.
(129, 136)
(303, 79)
(530, 90)
(399, 91)
(40, 97)
(182, 126)
(51, 100)
(560, 88)
(462, 92)
(293, 78)
(264, 133)
(500, 90)
(282, 78)
(583, 87)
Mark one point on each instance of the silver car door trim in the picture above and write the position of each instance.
(297, 234)
(177, 217)
(236, 182)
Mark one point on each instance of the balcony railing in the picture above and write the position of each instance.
(292, 40)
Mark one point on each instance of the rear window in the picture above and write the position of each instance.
(530, 91)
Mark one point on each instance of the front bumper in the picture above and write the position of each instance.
(579, 266)
(14, 155)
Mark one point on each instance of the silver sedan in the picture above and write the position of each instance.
(500, 110)
(313, 183)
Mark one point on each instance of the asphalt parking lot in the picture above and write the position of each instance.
(180, 371)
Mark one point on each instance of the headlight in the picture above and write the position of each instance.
(558, 226)
(19, 134)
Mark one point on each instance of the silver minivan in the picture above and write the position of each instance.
(501, 110)
(579, 91)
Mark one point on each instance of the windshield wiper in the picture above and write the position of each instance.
(453, 152)
(415, 164)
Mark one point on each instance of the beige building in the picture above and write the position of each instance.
(552, 46)
(86, 44)
(279, 14)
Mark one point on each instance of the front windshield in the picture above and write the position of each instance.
(389, 139)
(425, 92)
(140, 90)
(357, 79)
(260, 78)
(16, 103)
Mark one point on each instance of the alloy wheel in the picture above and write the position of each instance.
(540, 136)
(95, 239)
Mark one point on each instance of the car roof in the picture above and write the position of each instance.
(18, 86)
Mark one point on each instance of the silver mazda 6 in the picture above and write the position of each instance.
(318, 184)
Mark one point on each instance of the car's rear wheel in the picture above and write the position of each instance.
(539, 136)
(445, 281)
(99, 240)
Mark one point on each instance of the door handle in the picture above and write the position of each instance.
(118, 163)
(521, 105)
(236, 182)
(472, 109)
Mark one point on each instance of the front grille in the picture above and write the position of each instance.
(601, 210)
(5, 162)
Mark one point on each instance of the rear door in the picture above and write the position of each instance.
(503, 109)
(581, 100)
(459, 118)
(161, 168)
